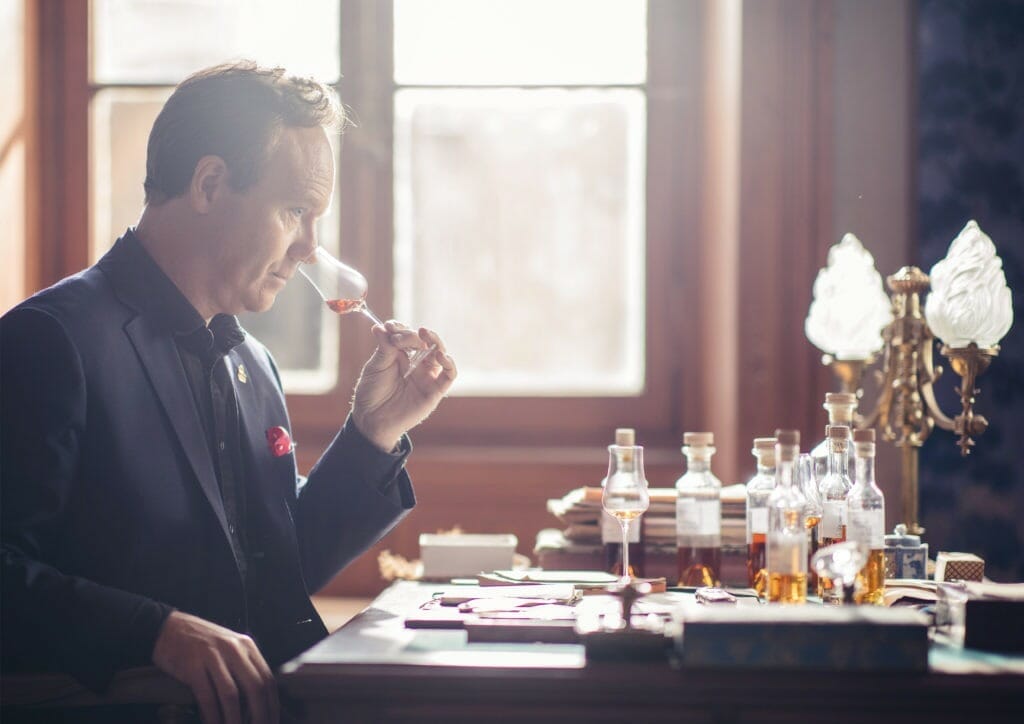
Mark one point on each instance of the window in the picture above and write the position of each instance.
(519, 190)
(494, 188)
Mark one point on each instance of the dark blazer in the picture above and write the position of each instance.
(111, 511)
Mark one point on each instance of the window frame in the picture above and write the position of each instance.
(366, 216)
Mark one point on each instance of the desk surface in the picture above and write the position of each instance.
(374, 668)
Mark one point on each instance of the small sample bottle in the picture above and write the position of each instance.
(834, 488)
(611, 531)
(841, 407)
(812, 513)
(759, 488)
(866, 516)
(698, 514)
(787, 535)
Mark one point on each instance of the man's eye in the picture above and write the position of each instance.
(298, 212)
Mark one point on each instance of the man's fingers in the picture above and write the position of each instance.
(430, 337)
(227, 692)
(269, 683)
(253, 681)
(206, 698)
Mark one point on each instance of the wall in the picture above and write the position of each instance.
(970, 116)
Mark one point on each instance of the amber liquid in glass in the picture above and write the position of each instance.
(871, 579)
(344, 306)
(756, 562)
(699, 566)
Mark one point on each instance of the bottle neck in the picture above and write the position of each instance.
(698, 462)
(785, 473)
(838, 460)
(840, 415)
(865, 463)
(764, 468)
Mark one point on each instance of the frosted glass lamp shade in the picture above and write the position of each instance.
(850, 307)
(969, 299)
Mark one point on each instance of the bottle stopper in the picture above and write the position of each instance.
(698, 438)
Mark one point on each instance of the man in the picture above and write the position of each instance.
(152, 512)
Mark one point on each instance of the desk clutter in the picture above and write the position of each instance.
(707, 628)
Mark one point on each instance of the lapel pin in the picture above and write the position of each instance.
(242, 376)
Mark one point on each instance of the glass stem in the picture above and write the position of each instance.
(373, 317)
(625, 547)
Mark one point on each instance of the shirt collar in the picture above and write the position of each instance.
(141, 280)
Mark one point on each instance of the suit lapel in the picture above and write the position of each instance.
(160, 358)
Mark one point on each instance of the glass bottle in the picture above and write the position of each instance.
(611, 532)
(812, 513)
(787, 536)
(759, 488)
(866, 510)
(698, 514)
(834, 488)
(841, 407)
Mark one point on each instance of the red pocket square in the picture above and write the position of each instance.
(280, 441)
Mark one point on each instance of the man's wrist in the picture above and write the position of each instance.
(385, 442)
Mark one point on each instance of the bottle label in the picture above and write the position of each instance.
(698, 517)
(758, 520)
(834, 519)
(867, 527)
(611, 531)
(787, 552)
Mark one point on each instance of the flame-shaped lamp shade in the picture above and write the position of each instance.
(850, 307)
(969, 299)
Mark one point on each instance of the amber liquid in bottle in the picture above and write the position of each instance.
(756, 561)
(789, 587)
(871, 579)
(824, 588)
(811, 522)
(697, 565)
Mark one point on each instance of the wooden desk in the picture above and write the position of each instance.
(374, 669)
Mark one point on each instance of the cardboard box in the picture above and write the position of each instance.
(454, 556)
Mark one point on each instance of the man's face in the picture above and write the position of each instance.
(263, 233)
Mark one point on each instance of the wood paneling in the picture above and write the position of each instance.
(785, 216)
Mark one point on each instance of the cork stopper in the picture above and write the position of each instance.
(696, 439)
(764, 451)
(840, 398)
(625, 437)
(788, 437)
(837, 432)
(864, 435)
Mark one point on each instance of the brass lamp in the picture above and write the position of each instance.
(969, 308)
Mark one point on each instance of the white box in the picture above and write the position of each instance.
(452, 556)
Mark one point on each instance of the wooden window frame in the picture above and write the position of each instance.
(489, 463)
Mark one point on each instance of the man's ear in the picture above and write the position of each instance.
(209, 181)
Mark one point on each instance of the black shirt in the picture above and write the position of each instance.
(203, 349)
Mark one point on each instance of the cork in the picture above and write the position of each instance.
(625, 437)
(764, 443)
(864, 435)
(698, 438)
(788, 437)
(840, 398)
(837, 432)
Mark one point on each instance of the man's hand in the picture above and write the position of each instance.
(386, 403)
(224, 669)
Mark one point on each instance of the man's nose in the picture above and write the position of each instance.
(305, 245)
